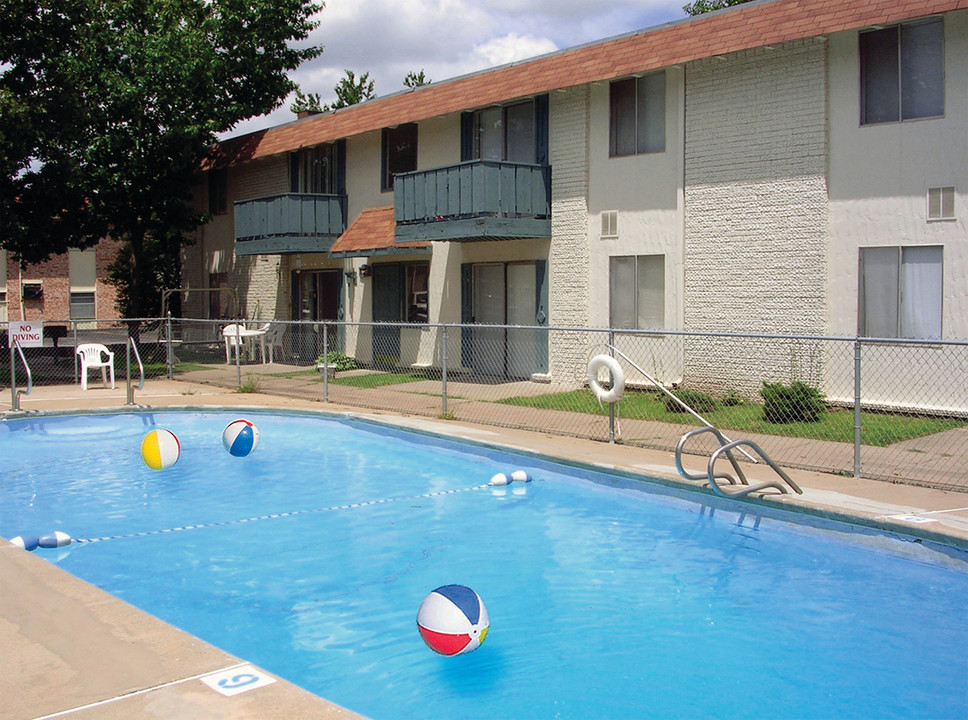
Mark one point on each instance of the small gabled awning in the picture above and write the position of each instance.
(372, 233)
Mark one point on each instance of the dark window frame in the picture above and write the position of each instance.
(399, 154)
(636, 115)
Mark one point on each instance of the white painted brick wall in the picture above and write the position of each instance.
(568, 261)
(257, 277)
(756, 226)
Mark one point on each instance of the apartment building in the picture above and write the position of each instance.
(785, 166)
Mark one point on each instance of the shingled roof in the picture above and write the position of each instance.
(739, 28)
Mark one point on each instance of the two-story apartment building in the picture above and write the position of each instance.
(786, 166)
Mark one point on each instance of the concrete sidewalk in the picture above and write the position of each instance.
(71, 650)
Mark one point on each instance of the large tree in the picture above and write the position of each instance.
(111, 107)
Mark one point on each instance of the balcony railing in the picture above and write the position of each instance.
(289, 223)
(476, 200)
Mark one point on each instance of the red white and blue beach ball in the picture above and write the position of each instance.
(240, 437)
(453, 620)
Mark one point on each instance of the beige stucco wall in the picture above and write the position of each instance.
(879, 177)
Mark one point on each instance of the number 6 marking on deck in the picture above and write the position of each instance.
(237, 680)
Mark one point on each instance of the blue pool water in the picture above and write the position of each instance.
(608, 597)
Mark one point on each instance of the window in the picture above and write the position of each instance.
(505, 133)
(900, 292)
(317, 170)
(418, 277)
(82, 305)
(3, 285)
(218, 192)
(902, 72)
(399, 152)
(215, 305)
(637, 292)
(637, 115)
(941, 203)
(82, 276)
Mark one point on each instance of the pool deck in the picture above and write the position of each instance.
(68, 649)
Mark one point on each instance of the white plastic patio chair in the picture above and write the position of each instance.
(93, 356)
(233, 339)
(274, 336)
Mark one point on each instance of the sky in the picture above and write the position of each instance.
(449, 38)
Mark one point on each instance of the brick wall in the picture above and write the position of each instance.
(54, 277)
(568, 261)
(755, 216)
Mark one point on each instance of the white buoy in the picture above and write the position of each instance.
(521, 476)
(25, 542)
(500, 479)
(56, 539)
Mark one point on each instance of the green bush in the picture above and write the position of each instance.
(796, 402)
(698, 401)
(338, 360)
(731, 398)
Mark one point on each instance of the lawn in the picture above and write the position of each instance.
(374, 380)
(877, 429)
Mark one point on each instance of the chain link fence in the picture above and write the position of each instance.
(892, 410)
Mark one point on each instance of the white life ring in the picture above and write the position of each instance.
(618, 378)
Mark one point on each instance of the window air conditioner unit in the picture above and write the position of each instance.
(33, 291)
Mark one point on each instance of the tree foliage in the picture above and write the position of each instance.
(110, 108)
(305, 102)
(351, 90)
(704, 6)
(416, 79)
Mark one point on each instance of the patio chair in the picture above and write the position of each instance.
(274, 338)
(93, 356)
(232, 336)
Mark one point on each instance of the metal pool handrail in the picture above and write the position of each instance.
(14, 393)
(726, 448)
(132, 345)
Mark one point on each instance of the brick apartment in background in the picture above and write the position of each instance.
(66, 287)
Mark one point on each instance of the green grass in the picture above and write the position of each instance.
(837, 425)
(157, 369)
(375, 380)
(293, 374)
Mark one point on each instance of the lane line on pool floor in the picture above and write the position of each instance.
(143, 691)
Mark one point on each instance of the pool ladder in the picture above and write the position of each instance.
(738, 484)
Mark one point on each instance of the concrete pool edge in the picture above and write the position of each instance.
(73, 650)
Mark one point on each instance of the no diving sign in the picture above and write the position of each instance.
(28, 334)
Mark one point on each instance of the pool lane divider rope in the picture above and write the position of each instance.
(276, 516)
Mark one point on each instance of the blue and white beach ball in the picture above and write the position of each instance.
(160, 449)
(240, 437)
(453, 620)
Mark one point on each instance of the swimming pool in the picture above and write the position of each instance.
(608, 597)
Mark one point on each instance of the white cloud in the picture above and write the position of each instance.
(449, 38)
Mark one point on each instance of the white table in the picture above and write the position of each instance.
(234, 334)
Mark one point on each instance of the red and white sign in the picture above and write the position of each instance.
(28, 334)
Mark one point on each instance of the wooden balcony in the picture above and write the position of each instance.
(289, 223)
(476, 200)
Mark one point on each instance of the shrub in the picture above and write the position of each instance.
(338, 360)
(796, 402)
(731, 398)
(698, 401)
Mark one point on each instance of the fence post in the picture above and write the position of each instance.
(128, 394)
(77, 378)
(611, 406)
(857, 422)
(325, 363)
(14, 399)
(443, 372)
(238, 354)
(168, 343)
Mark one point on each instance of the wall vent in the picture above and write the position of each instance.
(610, 224)
(941, 203)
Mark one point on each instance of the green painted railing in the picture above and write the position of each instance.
(291, 222)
